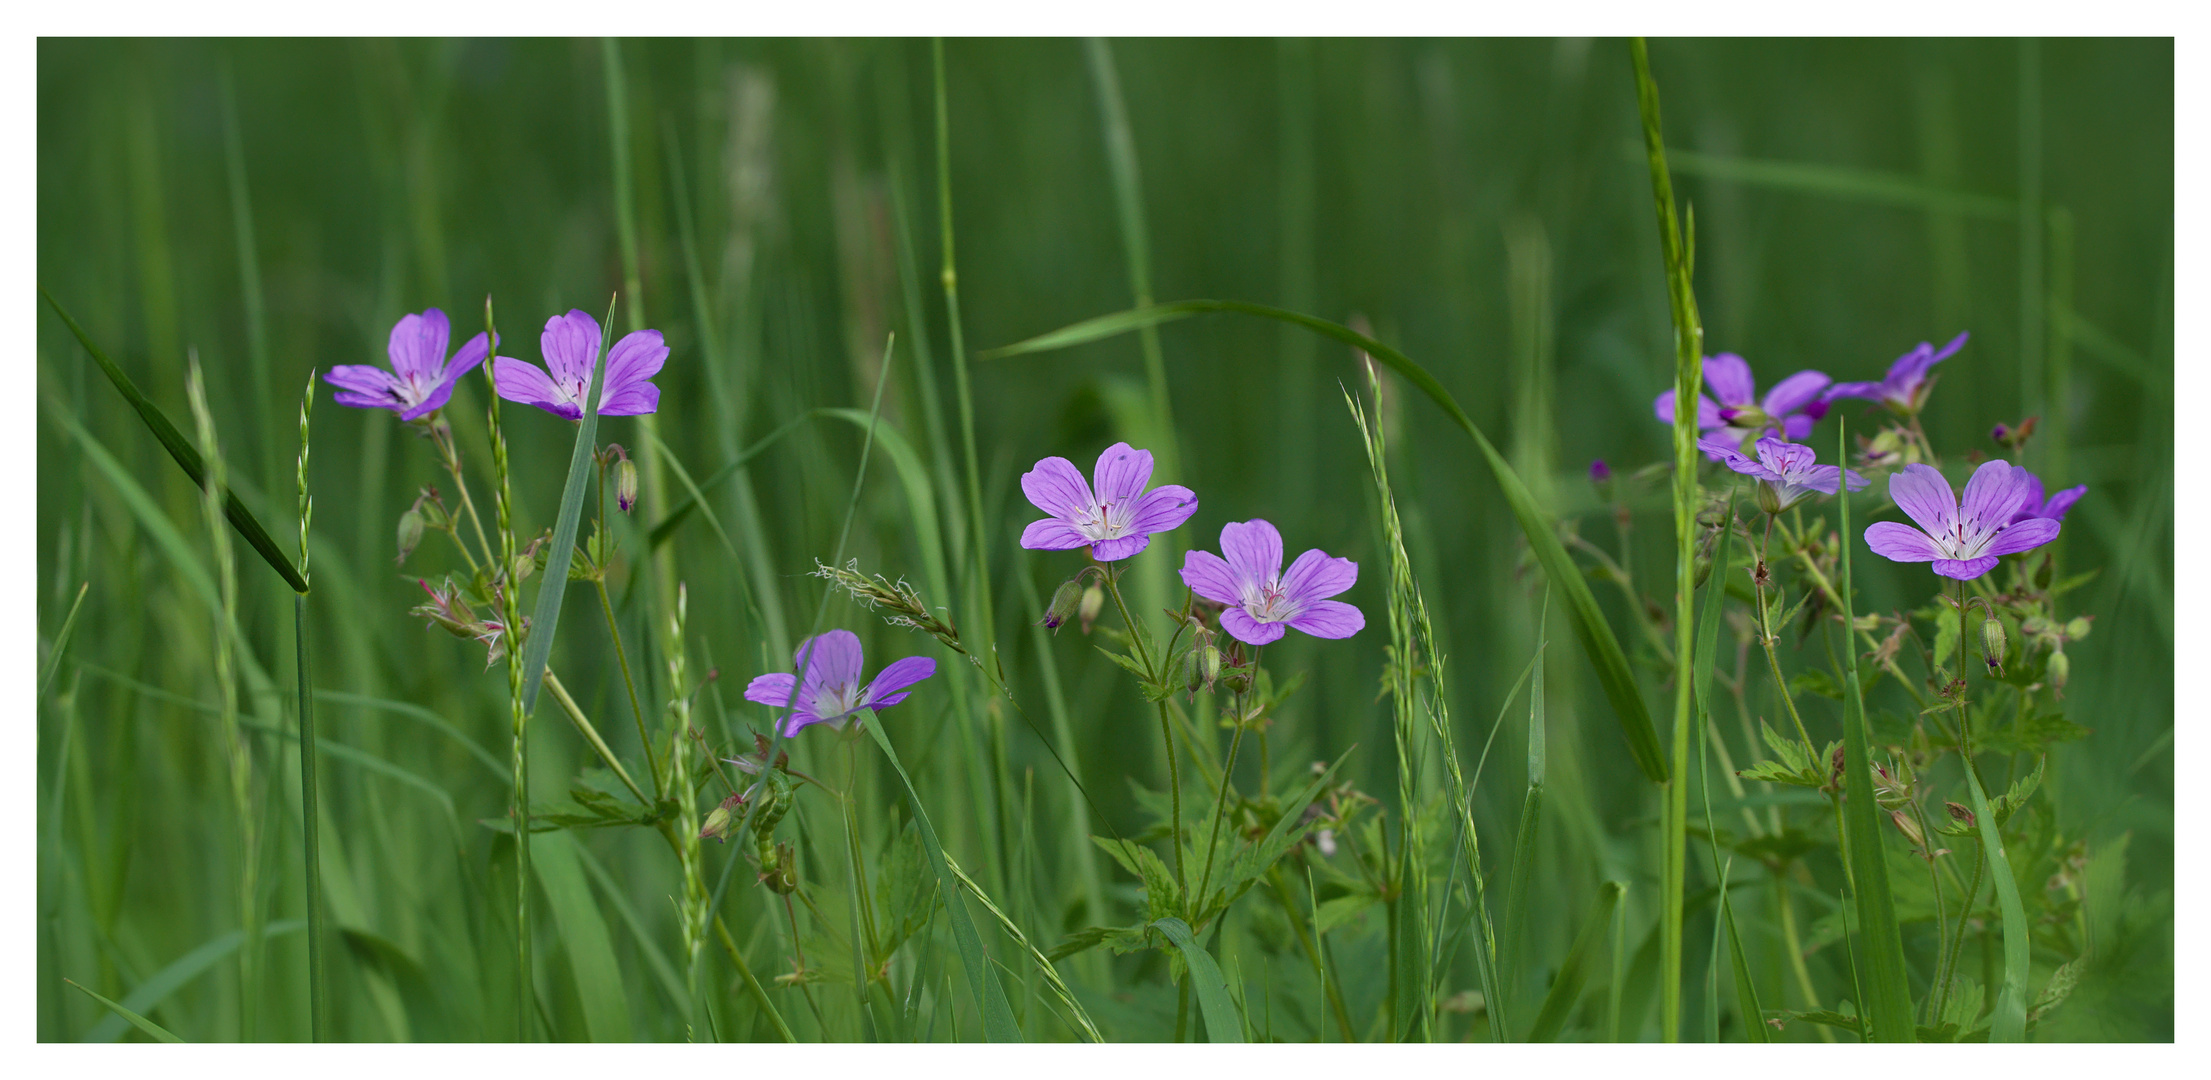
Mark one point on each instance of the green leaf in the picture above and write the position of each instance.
(158, 1032)
(1253, 860)
(2034, 735)
(990, 997)
(1590, 629)
(1161, 897)
(2007, 804)
(554, 584)
(2009, 1022)
(156, 988)
(1334, 913)
(1815, 681)
(583, 933)
(1221, 1022)
(1122, 939)
(1573, 973)
(187, 456)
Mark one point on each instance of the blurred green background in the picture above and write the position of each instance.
(1483, 205)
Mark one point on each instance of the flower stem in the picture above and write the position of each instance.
(621, 654)
(1220, 803)
(1166, 729)
(1765, 638)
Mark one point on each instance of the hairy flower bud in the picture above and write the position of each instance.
(410, 532)
(1209, 661)
(2078, 628)
(1910, 828)
(1065, 600)
(625, 485)
(722, 820)
(1993, 644)
(2060, 670)
(1093, 602)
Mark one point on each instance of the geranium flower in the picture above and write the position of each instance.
(570, 344)
(2054, 508)
(1262, 600)
(1116, 521)
(1905, 388)
(1962, 541)
(1790, 471)
(1793, 405)
(421, 378)
(832, 690)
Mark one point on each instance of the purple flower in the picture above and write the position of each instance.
(2053, 508)
(1599, 472)
(1263, 600)
(421, 378)
(1115, 522)
(571, 347)
(832, 691)
(1905, 388)
(1790, 471)
(1962, 542)
(1793, 404)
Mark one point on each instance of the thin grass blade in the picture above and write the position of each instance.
(61, 640)
(1573, 972)
(159, 1033)
(555, 580)
(156, 988)
(583, 933)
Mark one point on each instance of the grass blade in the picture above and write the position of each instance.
(61, 640)
(583, 933)
(2009, 1022)
(1221, 1022)
(1531, 817)
(156, 988)
(187, 457)
(990, 997)
(1590, 629)
(555, 578)
(1043, 962)
(1888, 995)
(1573, 973)
(158, 1032)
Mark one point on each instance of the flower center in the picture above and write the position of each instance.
(1105, 521)
(837, 702)
(1967, 540)
(1269, 602)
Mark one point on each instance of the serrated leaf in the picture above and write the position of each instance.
(1121, 939)
(1161, 897)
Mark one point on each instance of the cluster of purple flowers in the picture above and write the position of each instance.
(1117, 517)
(2004, 511)
(421, 378)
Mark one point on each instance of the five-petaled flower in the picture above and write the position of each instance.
(1904, 389)
(571, 347)
(1789, 471)
(2054, 508)
(421, 378)
(1116, 519)
(832, 690)
(1793, 405)
(1262, 599)
(1962, 541)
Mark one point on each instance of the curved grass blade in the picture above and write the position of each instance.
(187, 456)
(1531, 818)
(61, 640)
(583, 933)
(149, 1027)
(1708, 636)
(1887, 993)
(422, 715)
(666, 526)
(2009, 1022)
(1573, 973)
(149, 994)
(555, 580)
(1590, 629)
(990, 997)
(1221, 1022)
(1044, 964)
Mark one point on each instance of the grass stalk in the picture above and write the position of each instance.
(510, 607)
(309, 784)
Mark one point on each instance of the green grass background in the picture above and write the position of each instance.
(1483, 205)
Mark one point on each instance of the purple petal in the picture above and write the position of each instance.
(1056, 487)
(1898, 542)
(774, 690)
(571, 346)
(1253, 550)
(1923, 495)
(439, 395)
(1795, 392)
(417, 344)
(1241, 626)
(1781, 456)
(2023, 536)
(465, 361)
(525, 382)
(633, 400)
(2061, 502)
(1209, 576)
(362, 386)
(1798, 426)
(1869, 391)
(889, 687)
(1993, 495)
(1821, 478)
(799, 720)
(1122, 473)
(1315, 576)
(1329, 619)
(1117, 549)
(1052, 534)
(1855, 482)
(1729, 377)
(634, 359)
(1723, 451)
(364, 401)
(1708, 411)
(1909, 367)
(1965, 569)
(830, 659)
(1164, 507)
(1948, 351)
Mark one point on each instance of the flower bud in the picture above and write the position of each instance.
(625, 485)
(2078, 628)
(1093, 602)
(1065, 600)
(722, 820)
(1959, 813)
(1210, 661)
(1910, 828)
(2060, 670)
(1237, 679)
(1193, 671)
(1992, 645)
(410, 532)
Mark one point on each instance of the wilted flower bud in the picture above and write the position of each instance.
(410, 532)
(1093, 602)
(1992, 645)
(2078, 628)
(1910, 828)
(1959, 813)
(2060, 670)
(1065, 600)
